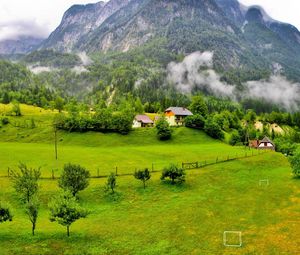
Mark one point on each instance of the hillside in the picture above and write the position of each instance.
(241, 38)
(140, 148)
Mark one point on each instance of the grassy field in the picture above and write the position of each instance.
(172, 220)
(163, 219)
(101, 153)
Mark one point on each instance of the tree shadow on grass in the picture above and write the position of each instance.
(52, 242)
(175, 187)
(113, 197)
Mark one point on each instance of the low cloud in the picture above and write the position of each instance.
(41, 69)
(276, 89)
(195, 72)
(13, 30)
(85, 59)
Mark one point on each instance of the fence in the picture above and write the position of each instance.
(154, 167)
(201, 164)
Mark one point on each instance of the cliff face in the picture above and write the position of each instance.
(239, 36)
(78, 22)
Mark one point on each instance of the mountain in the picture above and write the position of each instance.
(79, 21)
(22, 45)
(244, 38)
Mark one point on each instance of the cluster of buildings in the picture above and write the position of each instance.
(174, 115)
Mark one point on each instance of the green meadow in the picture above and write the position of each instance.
(102, 153)
(162, 219)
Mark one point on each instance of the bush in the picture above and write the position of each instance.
(213, 129)
(285, 146)
(235, 138)
(5, 213)
(5, 121)
(174, 173)
(295, 163)
(195, 121)
(164, 131)
(111, 183)
(143, 175)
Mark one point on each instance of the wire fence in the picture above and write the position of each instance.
(154, 167)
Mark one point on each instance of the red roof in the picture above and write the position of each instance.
(144, 119)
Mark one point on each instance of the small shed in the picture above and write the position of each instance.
(142, 121)
(176, 115)
(264, 144)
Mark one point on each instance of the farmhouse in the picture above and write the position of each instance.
(264, 144)
(142, 121)
(176, 115)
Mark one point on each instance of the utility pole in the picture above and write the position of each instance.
(247, 136)
(55, 141)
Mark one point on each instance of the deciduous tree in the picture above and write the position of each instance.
(143, 175)
(74, 178)
(65, 210)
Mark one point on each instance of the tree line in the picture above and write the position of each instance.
(64, 208)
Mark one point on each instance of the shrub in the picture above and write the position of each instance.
(295, 163)
(235, 138)
(5, 121)
(5, 213)
(213, 129)
(174, 173)
(164, 131)
(143, 175)
(195, 121)
(111, 183)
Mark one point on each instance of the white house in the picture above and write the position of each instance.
(264, 144)
(142, 121)
(176, 115)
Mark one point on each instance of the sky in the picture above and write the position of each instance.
(41, 17)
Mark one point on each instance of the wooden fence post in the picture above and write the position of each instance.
(98, 172)
(116, 171)
(8, 172)
(217, 160)
(53, 174)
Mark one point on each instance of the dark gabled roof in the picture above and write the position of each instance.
(144, 119)
(266, 140)
(180, 111)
